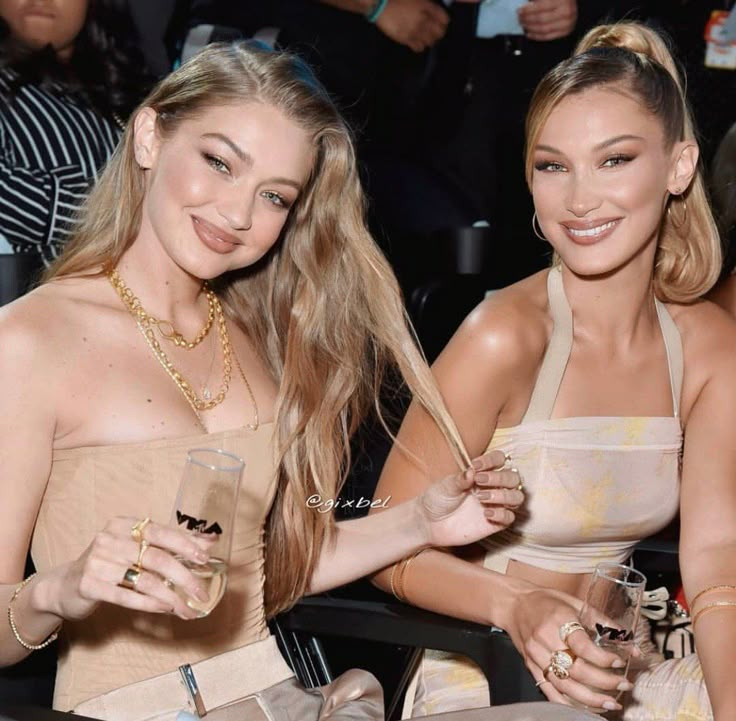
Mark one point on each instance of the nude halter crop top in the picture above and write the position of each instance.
(594, 486)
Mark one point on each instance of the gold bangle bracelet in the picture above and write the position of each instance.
(391, 580)
(710, 607)
(711, 589)
(29, 646)
(402, 574)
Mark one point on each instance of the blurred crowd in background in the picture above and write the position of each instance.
(436, 93)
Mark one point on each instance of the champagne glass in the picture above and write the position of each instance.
(205, 507)
(611, 611)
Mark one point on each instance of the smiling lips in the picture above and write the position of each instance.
(590, 232)
(213, 237)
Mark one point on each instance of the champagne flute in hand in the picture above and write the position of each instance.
(205, 507)
(612, 608)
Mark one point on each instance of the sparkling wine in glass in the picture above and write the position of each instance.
(205, 507)
(611, 611)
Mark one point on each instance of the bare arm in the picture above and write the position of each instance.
(486, 375)
(708, 513)
(418, 24)
(27, 426)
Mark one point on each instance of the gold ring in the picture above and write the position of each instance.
(558, 671)
(563, 657)
(142, 548)
(130, 579)
(570, 627)
(137, 528)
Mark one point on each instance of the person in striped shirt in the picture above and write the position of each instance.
(67, 82)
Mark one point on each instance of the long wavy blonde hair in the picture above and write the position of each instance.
(635, 57)
(323, 309)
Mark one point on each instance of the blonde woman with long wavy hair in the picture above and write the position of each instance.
(611, 385)
(221, 290)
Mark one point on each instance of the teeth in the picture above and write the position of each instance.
(592, 231)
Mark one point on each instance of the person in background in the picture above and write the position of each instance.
(619, 399)
(69, 76)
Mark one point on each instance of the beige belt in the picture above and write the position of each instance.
(198, 688)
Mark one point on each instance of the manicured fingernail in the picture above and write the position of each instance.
(202, 595)
(477, 464)
(625, 686)
(618, 663)
(490, 512)
(611, 706)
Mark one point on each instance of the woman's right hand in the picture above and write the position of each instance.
(534, 626)
(96, 575)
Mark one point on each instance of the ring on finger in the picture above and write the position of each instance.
(130, 578)
(142, 548)
(557, 671)
(542, 681)
(570, 627)
(520, 487)
(136, 530)
(563, 657)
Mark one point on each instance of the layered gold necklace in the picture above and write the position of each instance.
(147, 323)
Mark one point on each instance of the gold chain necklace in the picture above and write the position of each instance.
(144, 323)
(164, 327)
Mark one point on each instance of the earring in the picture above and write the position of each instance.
(535, 223)
(677, 224)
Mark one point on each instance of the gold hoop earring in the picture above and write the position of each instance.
(675, 223)
(535, 223)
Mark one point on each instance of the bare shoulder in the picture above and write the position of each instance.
(708, 335)
(36, 329)
(488, 369)
(511, 324)
(706, 329)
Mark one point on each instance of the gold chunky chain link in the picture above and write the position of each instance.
(146, 324)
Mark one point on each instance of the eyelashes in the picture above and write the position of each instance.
(612, 161)
(219, 165)
(216, 162)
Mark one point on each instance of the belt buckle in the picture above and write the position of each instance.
(192, 689)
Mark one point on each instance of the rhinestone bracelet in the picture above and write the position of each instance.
(30, 646)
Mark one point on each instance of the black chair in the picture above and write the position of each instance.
(439, 307)
(304, 634)
(18, 274)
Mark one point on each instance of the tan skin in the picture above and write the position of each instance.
(79, 374)
(724, 294)
(585, 173)
(46, 22)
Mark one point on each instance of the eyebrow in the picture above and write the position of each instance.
(248, 160)
(600, 146)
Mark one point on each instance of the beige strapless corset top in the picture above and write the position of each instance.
(87, 487)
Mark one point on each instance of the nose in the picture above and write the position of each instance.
(237, 210)
(582, 196)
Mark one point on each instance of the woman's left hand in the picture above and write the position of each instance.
(468, 506)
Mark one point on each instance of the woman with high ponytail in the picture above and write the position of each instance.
(611, 385)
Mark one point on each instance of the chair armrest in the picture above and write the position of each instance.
(404, 625)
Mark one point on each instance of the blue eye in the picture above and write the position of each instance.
(217, 163)
(276, 199)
